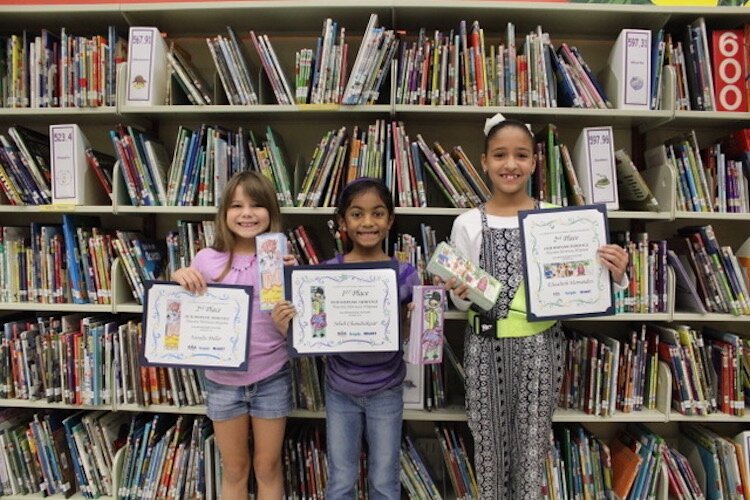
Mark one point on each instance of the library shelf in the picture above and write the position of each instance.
(43, 404)
(64, 308)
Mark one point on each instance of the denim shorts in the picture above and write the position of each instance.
(267, 398)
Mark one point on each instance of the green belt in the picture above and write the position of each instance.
(515, 323)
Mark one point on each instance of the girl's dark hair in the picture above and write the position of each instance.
(362, 185)
(508, 122)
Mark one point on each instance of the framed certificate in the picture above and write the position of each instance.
(564, 276)
(185, 330)
(343, 308)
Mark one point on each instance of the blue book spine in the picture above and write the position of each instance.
(73, 257)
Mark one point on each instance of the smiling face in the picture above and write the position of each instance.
(367, 221)
(509, 160)
(246, 220)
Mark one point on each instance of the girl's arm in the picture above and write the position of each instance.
(462, 243)
(190, 279)
(406, 313)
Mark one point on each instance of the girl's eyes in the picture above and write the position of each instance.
(239, 205)
(377, 214)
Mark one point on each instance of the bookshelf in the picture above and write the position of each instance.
(293, 24)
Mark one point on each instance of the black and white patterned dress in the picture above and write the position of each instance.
(512, 385)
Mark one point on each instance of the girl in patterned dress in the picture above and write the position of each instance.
(512, 381)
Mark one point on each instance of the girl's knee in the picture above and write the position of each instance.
(267, 468)
(235, 471)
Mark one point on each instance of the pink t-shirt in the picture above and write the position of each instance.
(268, 351)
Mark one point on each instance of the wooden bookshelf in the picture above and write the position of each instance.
(297, 23)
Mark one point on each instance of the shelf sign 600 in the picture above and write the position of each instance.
(729, 70)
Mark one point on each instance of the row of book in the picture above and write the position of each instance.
(448, 68)
(461, 67)
(688, 54)
(721, 463)
(709, 368)
(321, 75)
(604, 375)
(709, 276)
(204, 159)
(50, 264)
(638, 463)
(385, 152)
(59, 453)
(50, 70)
(25, 175)
(92, 360)
(712, 179)
(175, 456)
(87, 360)
(72, 262)
(648, 286)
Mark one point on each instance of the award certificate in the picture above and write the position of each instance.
(343, 308)
(564, 276)
(185, 330)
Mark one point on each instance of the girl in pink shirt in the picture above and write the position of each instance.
(260, 396)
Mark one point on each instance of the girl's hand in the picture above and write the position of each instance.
(190, 279)
(459, 290)
(290, 260)
(282, 314)
(614, 258)
(409, 308)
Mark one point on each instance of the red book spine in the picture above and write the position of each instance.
(730, 70)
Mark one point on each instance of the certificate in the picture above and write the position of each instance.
(185, 330)
(564, 276)
(343, 308)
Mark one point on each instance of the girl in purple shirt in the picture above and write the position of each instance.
(364, 391)
(261, 395)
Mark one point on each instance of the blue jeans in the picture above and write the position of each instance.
(379, 418)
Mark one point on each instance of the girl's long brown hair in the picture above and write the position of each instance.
(261, 191)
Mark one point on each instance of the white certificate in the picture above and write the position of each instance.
(343, 308)
(185, 330)
(564, 275)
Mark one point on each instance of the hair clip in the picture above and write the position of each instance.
(491, 122)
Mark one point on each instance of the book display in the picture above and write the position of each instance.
(120, 124)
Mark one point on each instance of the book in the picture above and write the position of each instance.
(426, 334)
(633, 192)
(195, 87)
(103, 166)
(686, 293)
(625, 465)
(271, 248)
(447, 263)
